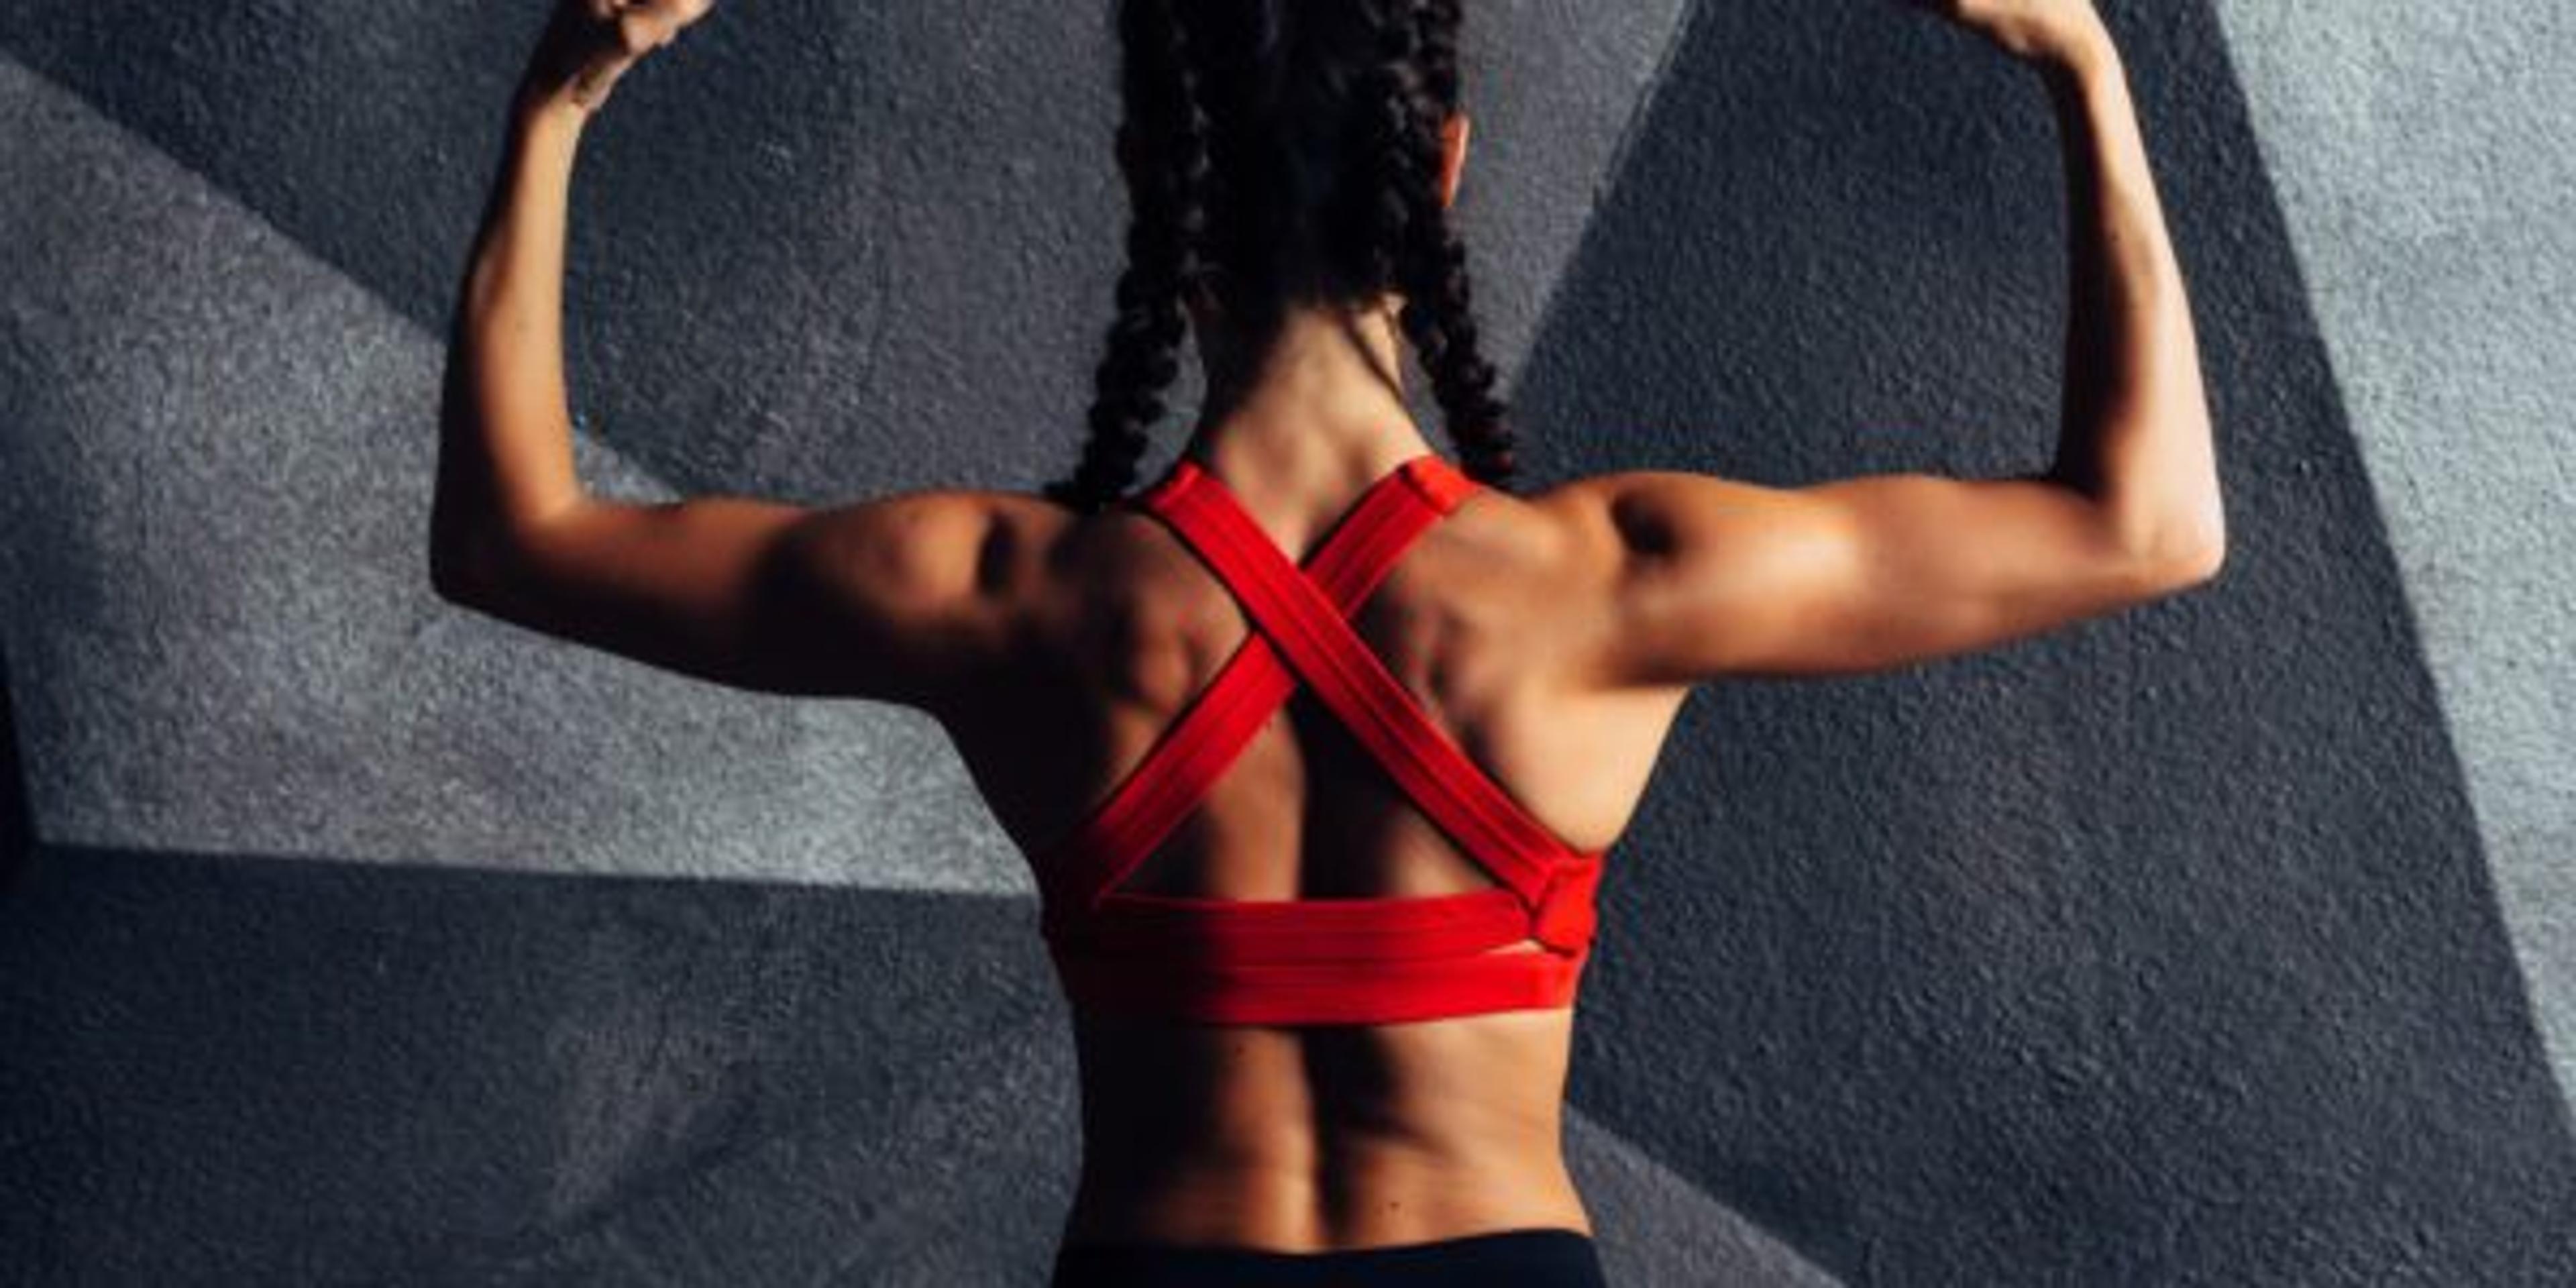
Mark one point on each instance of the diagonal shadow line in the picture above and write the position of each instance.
(144, 118)
(448, 95)
(392, 308)
(1641, 116)
(2407, 594)
(449, 84)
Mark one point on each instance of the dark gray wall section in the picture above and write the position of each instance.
(2156, 950)
(225, 1069)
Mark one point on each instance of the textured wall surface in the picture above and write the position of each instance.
(353, 938)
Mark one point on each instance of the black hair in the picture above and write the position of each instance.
(1287, 153)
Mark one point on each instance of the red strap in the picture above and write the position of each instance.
(1195, 749)
(1312, 636)
(1327, 961)
(1245, 932)
(1334, 992)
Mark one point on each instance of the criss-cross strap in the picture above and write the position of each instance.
(1309, 631)
(1213, 728)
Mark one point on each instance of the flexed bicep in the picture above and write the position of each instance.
(903, 598)
(1720, 577)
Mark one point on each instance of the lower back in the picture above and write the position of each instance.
(1317, 1138)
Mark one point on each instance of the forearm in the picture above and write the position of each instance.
(505, 450)
(2135, 430)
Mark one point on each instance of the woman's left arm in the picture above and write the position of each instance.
(895, 599)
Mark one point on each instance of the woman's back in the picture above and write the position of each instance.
(1301, 1137)
(1290, 167)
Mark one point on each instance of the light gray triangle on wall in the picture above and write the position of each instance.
(218, 619)
(2425, 169)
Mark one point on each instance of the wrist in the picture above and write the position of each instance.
(547, 103)
(2083, 58)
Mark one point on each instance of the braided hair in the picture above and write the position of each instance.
(1287, 154)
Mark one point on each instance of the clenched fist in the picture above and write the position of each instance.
(588, 44)
(2037, 31)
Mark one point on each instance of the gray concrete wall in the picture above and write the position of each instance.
(356, 939)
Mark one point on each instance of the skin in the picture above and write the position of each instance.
(1554, 636)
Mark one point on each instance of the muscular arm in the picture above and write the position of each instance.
(903, 598)
(1719, 577)
(909, 598)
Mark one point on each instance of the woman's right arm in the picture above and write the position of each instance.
(1717, 577)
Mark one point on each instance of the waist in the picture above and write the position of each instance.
(1318, 1137)
(1552, 1256)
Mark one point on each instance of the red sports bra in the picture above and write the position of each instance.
(1307, 961)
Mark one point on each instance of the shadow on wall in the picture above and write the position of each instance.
(231, 1069)
(2157, 949)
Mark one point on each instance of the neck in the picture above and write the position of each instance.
(1319, 408)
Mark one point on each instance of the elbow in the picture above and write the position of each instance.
(2186, 553)
(2198, 566)
(2167, 539)
(475, 559)
(2199, 538)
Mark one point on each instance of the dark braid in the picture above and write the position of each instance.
(1290, 155)
(1418, 77)
(1163, 236)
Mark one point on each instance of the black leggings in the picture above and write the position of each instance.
(1530, 1258)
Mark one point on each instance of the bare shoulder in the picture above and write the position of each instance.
(931, 591)
(1631, 516)
(942, 542)
(1728, 536)
(1658, 555)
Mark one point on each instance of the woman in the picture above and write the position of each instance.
(1360, 1082)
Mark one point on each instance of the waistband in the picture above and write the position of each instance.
(1537, 1256)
